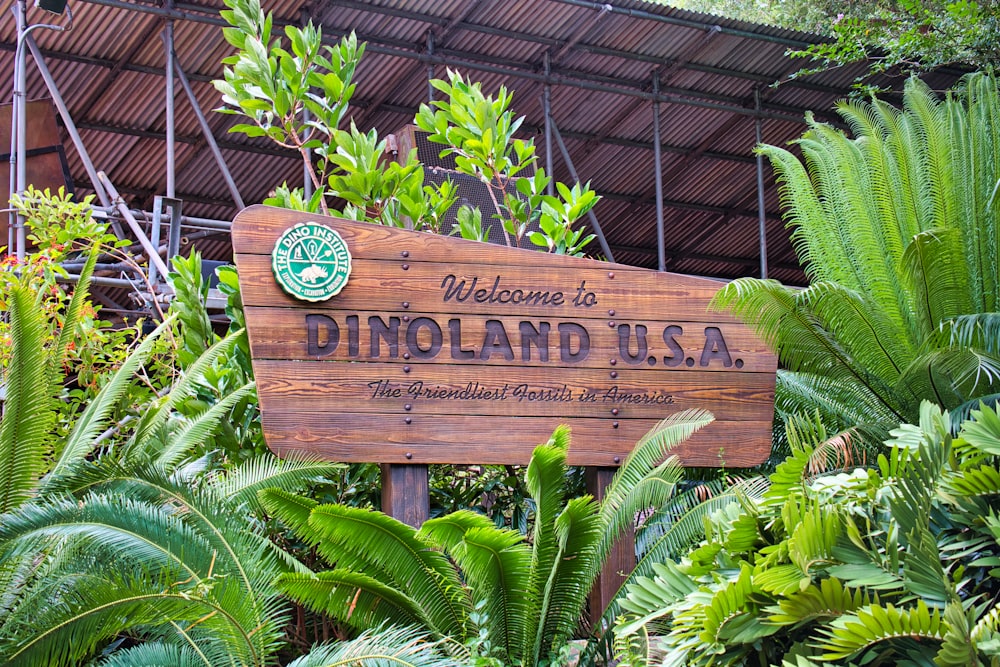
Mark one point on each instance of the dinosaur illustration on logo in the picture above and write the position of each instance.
(312, 273)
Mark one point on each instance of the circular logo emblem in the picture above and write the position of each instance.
(311, 262)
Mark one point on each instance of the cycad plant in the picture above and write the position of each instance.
(890, 565)
(466, 581)
(899, 232)
(123, 541)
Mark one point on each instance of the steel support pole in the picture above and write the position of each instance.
(661, 244)
(207, 132)
(68, 123)
(761, 214)
(547, 104)
(605, 248)
(307, 182)
(430, 67)
(151, 251)
(168, 43)
(18, 151)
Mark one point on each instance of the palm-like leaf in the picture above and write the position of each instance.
(387, 550)
(28, 414)
(354, 598)
(578, 531)
(92, 421)
(153, 419)
(645, 479)
(899, 230)
(381, 647)
(497, 566)
(200, 429)
(850, 634)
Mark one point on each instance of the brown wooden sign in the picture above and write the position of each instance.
(440, 350)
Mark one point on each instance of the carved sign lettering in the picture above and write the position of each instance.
(440, 350)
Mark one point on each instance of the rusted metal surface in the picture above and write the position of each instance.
(110, 71)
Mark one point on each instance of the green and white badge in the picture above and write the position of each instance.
(311, 262)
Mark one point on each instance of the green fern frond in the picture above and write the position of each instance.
(355, 598)
(68, 630)
(160, 654)
(822, 603)
(241, 484)
(843, 403)
(72, 318)
(380, 647)
(983, 431)
(578, 531)
(142, 442)
(391, 552)
(850, 634)
(544, 480)
(447, 531)
(119, 528)
(645, 479)
(958, 647)
(28, 410)
(813, 539)
(728, 618)
(197, 431)
(868, 334)
(649, 598)
(941, 293)
(983, 481)
(497, 567)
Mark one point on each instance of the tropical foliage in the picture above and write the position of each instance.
(910, 35)
(465, 581)
(298, 97)
(895, 564)
(129, 539)
(899, 232)
(60, 230)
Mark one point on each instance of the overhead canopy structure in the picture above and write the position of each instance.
(625, 82)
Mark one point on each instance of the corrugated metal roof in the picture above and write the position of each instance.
(602, 58)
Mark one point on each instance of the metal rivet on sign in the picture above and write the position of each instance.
(408, 407)
(406, 355)
(614, 424)
(406, 318)
(611, 274)
(614, 374)
(613, 362)
(406, 267)
(409, 455)
(614, 411)
(408, 420)
(611, 313)
(406, 304)
(406, 369)
(611, 324)
(618, 459)
(405, 253)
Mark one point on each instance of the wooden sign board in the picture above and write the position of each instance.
(440, 350)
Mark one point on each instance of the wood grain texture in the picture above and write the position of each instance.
(440, 350)
(387, 438)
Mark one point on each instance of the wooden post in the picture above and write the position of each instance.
(621, 560)
(405, 493)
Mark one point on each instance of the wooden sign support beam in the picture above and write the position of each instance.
(621, 560)
(406, 493)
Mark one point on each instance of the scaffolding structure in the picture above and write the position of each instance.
(156, 234)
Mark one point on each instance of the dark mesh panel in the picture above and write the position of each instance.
(430, 153)
(472, 192)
